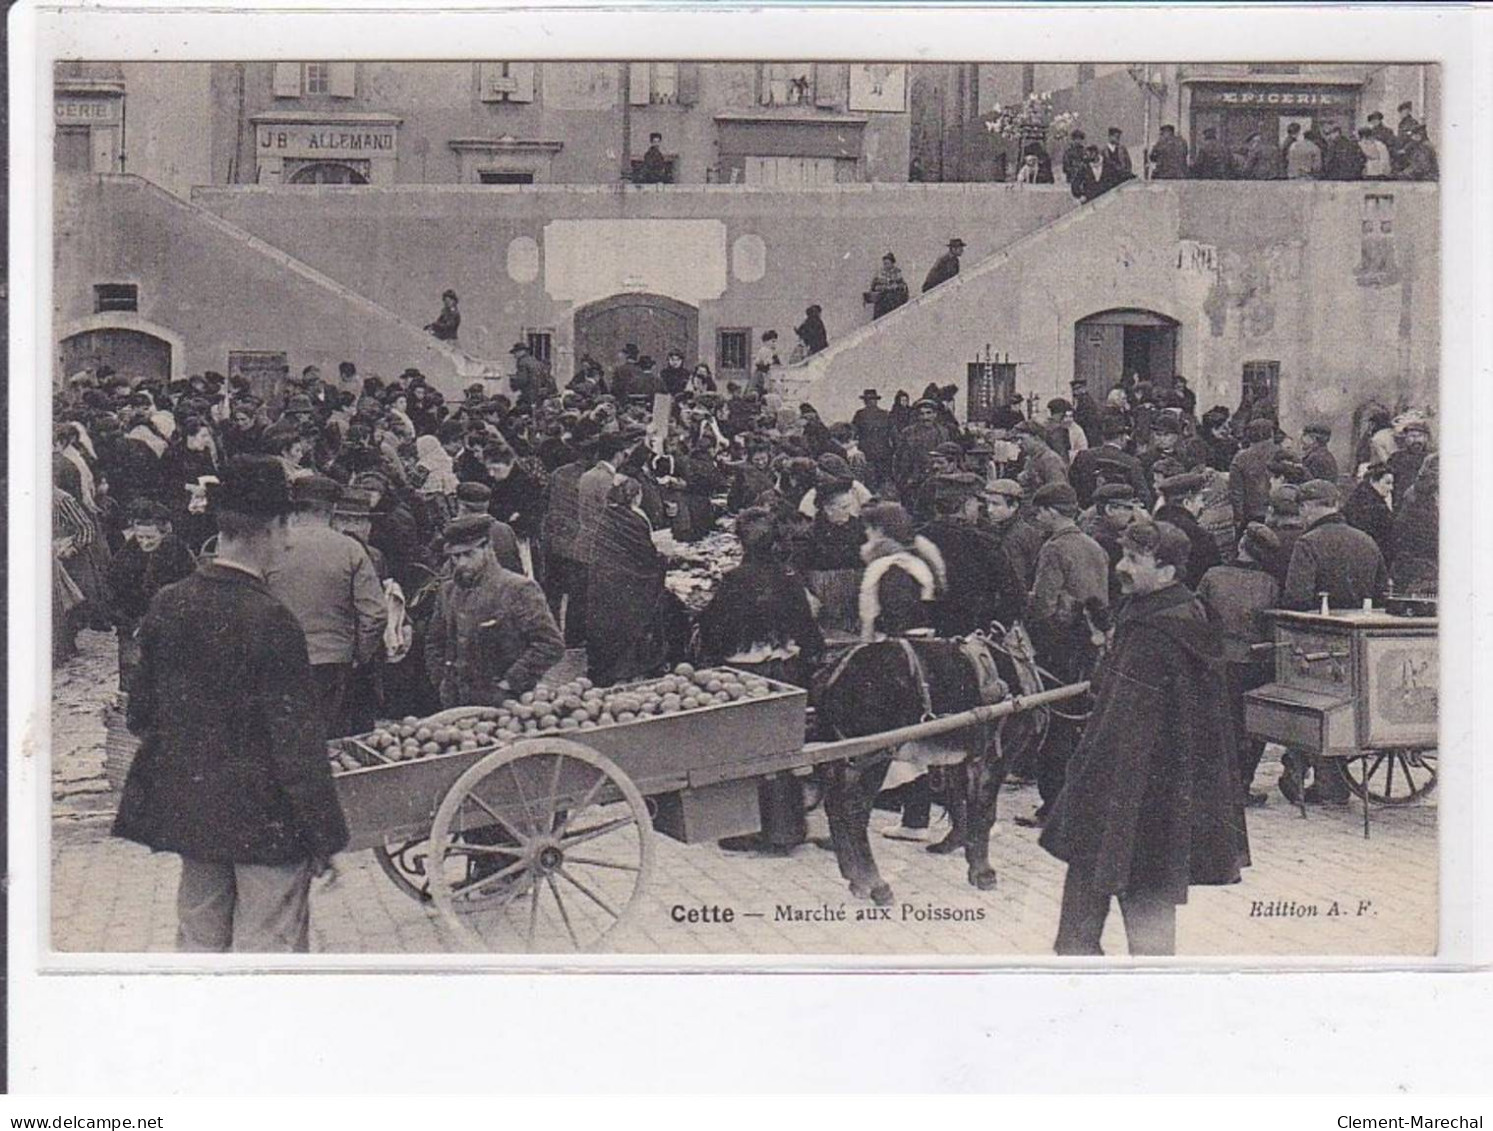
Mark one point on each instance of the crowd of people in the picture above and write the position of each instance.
(1320, 152)
(443, 552)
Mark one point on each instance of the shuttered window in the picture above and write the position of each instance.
(287, 80)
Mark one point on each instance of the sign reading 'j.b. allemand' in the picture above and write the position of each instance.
(321, 141)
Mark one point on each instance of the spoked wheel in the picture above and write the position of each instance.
(544, 846)
(1392, 777)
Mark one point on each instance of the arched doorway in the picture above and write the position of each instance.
(328, 173)
(133, 353)
(653, 323)
(1114, 343)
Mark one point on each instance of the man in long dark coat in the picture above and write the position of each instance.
(1151, 804)
(946, 266)
(877, 437)
(232, 772)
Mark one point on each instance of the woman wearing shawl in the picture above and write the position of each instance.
(904, 575)
(625, 596)
(73, 532)
(88, 565)
(888, 288)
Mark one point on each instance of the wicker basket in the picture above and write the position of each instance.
(119, 746)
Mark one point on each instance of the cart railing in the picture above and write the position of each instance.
(975, 716)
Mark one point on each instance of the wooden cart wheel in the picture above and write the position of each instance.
(568, 847)
(1397, 776)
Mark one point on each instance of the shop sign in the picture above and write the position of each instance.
(316, 140)
(87, 111)
(1255, 97)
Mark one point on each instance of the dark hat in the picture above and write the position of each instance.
(472, 492)
(890, 256)
(519, 347)
(870, 395)
(1261, 542)
(1318, 491)
(1115, 131)
(376, 480)
(891, 519)
(1376, 116)
(956, 242)
(925, 402)
(147, 511)
(251, 485)
(630, 350)
(1055, 495)
(1286, 499)
(1113, 493)
(354, 502)
(475, 389)
(1175, 486)
(468, 530)
(956, 485)
(315, 489)
(980, 447)
(769, 335)
(448, 293)
(1317, 428)
(1259, 429)
(280, 435)
(949, 450)
(1166, 467)
(1009, 489)
(807, 410)
(1113, 425)
(1163, 541)
(834, 466)
(1059, 406)
(1403, 106)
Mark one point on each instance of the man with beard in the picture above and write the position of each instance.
(1152, 803)
(491, 636)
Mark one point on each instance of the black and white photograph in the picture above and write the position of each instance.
(884, 509)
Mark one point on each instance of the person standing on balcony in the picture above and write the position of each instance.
(1116, 169)
(1303, 158)
(765, 360)
(1342, 160)
(1405, 131)
(1073, 157)
(1383, 134)
(1213, 160)
(1377, 164)
(1419, 158)
(1261, 160)
(946, 266)
(1169, 156)
(655, 166)
(888, 288)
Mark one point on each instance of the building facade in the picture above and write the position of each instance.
(952, 102)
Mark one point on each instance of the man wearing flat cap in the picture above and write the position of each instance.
(1315, 455)
(1181, 504)
(476, 498)
(877, 437)
(981, 585)
(1115, 508)
(1069, 591)
(946, 266)
(1152, 804)
(1236, 597)
(1019, 538)
(1249, 474)
(329, 582)
(491, 636)
(1331, 556)
(232, 773)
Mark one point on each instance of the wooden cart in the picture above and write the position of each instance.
(547, 843)
(1359, 686)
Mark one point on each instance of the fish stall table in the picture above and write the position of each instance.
(486, 822)
(1359, 687)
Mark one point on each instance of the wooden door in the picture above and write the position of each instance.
(1098, 356)
(133, 353)
(653, 323)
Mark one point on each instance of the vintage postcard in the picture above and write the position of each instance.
(971, 510)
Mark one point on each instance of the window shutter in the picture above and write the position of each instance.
(639, 84)
(287, 82)
(342, 79)
(522, 75)
(689, 84)
(487, 76)
(830, 83)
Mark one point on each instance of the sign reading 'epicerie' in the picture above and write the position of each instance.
(325, 141)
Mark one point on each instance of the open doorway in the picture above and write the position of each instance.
(1116, 343)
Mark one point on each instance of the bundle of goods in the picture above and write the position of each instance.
(570, 707)
(697, 567)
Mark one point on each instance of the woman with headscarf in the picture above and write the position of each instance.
(902, 414)
(904, 575)
(625, 595)
(437, 482)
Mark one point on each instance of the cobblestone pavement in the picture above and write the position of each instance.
(1316, 888)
